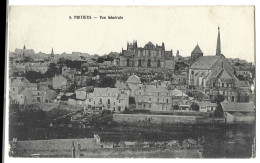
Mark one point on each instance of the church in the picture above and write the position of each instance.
(214, 75)
(149, 56)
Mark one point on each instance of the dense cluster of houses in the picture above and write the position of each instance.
(153, 88)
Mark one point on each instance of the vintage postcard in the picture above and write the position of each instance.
(131, 82)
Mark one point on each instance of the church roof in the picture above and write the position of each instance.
(197, 50)
(133, 79)
(149, 45)
(205, 62)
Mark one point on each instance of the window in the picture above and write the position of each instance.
(100, 100)
(108, 101)
(149, 99)
(13, 89)
(222, 84)
(149, 63)
(150, 105)
(158, 100)
(158, 93)
(167, 101)
(89, 100)
(139, 63)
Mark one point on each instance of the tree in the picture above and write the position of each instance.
(131, 100)
(90, 82)
(95, 73)
(107, 82)
(219, 112)
(32, 76)
(176, 107)
(195, 106)
(100, 60)
(27, 59)
(51, 72)
(219, 98)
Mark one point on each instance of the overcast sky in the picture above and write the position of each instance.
(180, 28)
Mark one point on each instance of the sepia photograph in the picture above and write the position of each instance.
(131, 82)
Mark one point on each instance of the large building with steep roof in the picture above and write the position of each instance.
(196, 53)
(216, 75)
(149, 56)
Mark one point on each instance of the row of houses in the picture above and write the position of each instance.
(21, 91)
(29, 66)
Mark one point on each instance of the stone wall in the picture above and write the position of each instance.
(164, 119)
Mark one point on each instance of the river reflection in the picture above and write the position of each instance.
(227, 141)
(213, 141)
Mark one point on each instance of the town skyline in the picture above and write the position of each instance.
(175, 31)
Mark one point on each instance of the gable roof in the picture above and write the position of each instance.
(197, 50)
(149, 45)
(15, 82)
(177, 92)
(243, 83)
(101, 92)
(205, 62)
(238, 107)
(154, 88)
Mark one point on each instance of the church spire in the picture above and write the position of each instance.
(218, 50)
(52, 53)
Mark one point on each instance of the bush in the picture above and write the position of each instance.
(131, 100)
(195, 106)
(176, 107)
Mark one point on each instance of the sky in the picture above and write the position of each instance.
(179, 27)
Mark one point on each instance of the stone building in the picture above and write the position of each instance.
(150, 56)
(155, 96)
(108, 98)
(19, 91)
(196, 53)
(214, 75)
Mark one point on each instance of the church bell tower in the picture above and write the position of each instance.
(218, 50)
